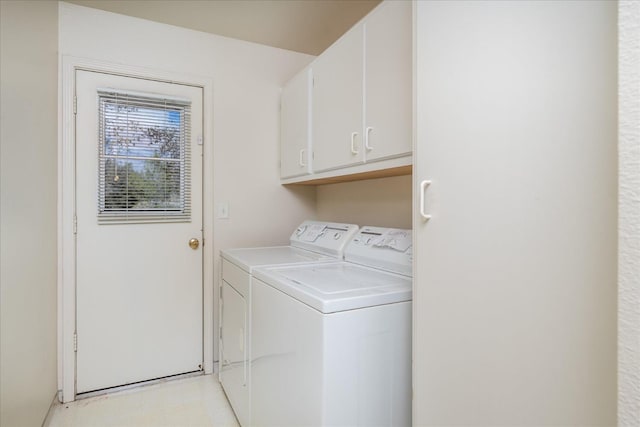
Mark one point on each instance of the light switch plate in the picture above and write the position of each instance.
(222, 210)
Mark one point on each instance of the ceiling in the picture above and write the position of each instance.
(308, 26)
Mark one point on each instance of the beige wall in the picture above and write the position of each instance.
(629, 213)
(246, 91)
(28, 76)
(384, 202)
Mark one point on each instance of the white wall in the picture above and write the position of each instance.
(28, 78)
(629, 214)
(385, 202)
(246, 90)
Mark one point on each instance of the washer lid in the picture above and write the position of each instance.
(339, 286)
(249, 258)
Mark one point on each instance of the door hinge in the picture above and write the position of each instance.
(200, 140)
(75, 342)
(75, 104)
(75, 224)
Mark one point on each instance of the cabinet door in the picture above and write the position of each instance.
(295, 112)
(337, 103)
(388, 81)
(515, 271)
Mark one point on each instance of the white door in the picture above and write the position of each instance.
(337, 103)
(138, 205)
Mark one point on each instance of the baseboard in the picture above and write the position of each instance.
(54, 402)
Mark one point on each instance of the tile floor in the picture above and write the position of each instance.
(197, 401)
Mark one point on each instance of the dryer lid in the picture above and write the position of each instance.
(250, 258)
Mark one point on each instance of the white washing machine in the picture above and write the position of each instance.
(311, 242)
(331, 342)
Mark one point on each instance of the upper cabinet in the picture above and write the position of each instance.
(361, 102)
(337, 103)
(295, 138)
(388, 77)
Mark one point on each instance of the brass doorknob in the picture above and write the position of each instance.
(194, 243)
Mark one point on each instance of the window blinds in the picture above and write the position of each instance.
(144, 158)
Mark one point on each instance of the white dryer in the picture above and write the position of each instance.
(311, 242)
(331, 342)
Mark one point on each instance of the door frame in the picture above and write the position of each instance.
(67, 207)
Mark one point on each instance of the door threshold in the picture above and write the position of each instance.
(139, 384)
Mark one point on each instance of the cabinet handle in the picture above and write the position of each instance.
(423, 188)
(301, 160)
(366, 138)
(353, 141)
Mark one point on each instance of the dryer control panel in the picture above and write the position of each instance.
(328, 238)
(388, 249)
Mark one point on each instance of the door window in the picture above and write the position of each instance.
(144, 172)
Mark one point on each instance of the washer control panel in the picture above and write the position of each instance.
(323, 237)
(389, 249)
